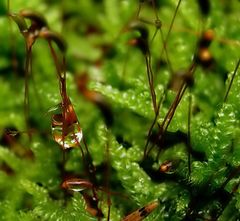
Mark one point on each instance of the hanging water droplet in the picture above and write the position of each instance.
(66, 130)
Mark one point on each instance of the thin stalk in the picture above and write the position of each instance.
(171, 26)
(150, 81)
(231, 82)
(189, 134)
(26, 88)
(171, 111)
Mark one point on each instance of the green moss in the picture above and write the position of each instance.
(115, 112)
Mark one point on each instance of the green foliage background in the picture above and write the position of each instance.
(95, 32)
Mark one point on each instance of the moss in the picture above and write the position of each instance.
(188, 160)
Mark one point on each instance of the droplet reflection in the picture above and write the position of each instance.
(66, 130)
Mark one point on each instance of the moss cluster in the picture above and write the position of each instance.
(113, 49)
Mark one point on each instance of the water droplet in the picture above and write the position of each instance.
(66, 130)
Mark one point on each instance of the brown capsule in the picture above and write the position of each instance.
(166, 166)
(76, 184)
(30, 33)
(142, 40)
(204, 58)
(142, 213)
(10, 139)
(204, 6)
(79, 185)
(204, 55)
(22, 25)
(142, 29)
(66, 130)
(208, 35)
(69, 114)
(206, 38)
(35, 17)
(53, 36)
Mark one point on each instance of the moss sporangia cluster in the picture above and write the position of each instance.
(149, 120)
